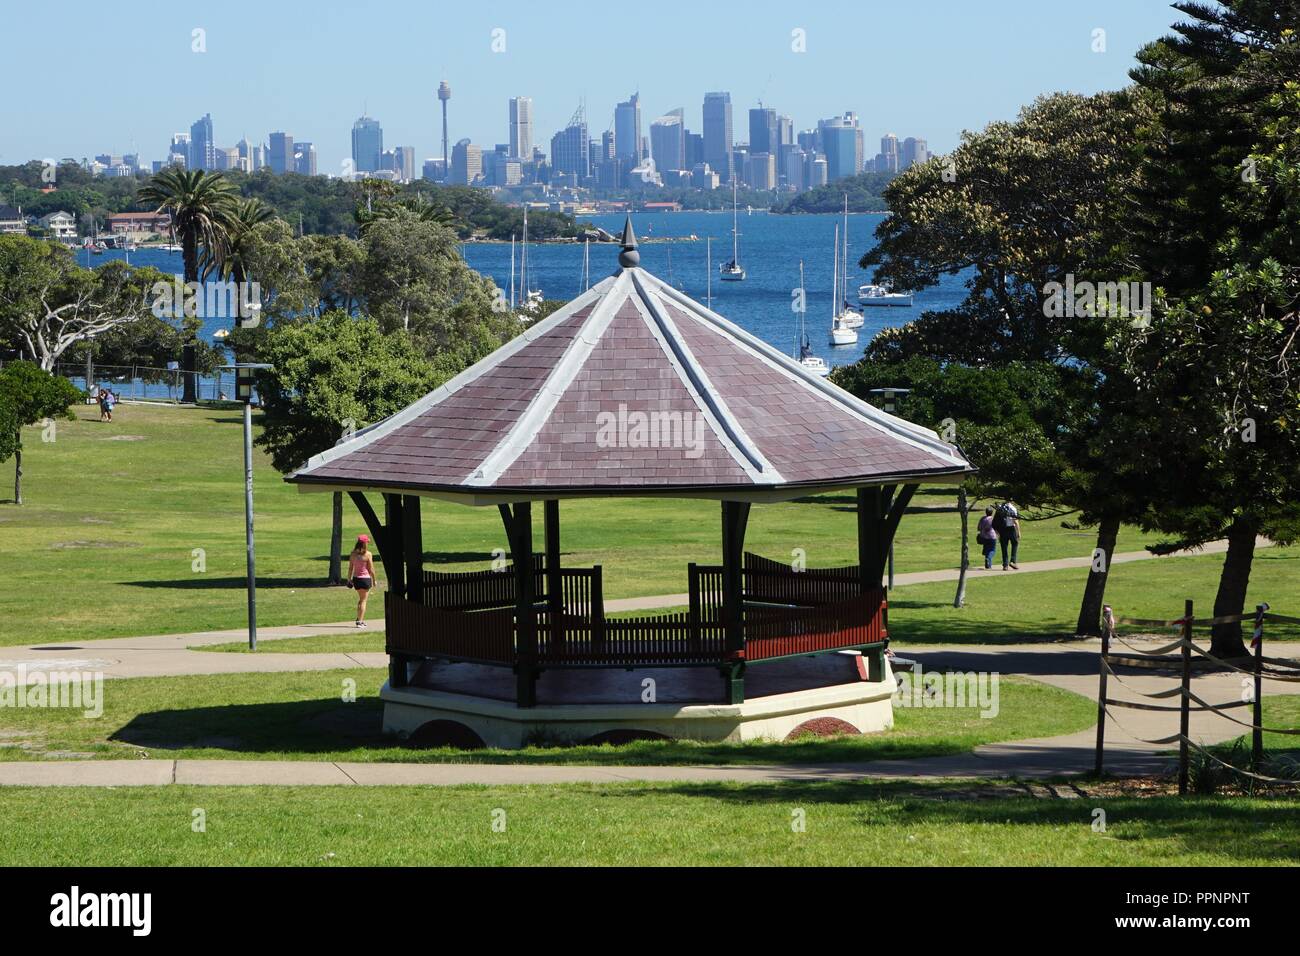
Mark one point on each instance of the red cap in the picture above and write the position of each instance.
(363, 537)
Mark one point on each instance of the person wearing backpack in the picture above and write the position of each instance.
(986, 534)
(1008, 525)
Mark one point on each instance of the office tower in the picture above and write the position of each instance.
(434, 171)
(400, 161)
(809, 140)
(367, 144)
(203, 151)
(281, 153)
(178, 154)
(668, 141)
(914, 151)
(260, 158)
(887, 160)
(570, 148)
(694, 149)
(762, 131)
(717, 134)
(521, 127)
(627, 130)
(817, 175)
(784, 131)
(466, 163)
(608, 148)
(304, 159)
(444, 94)
(842, 140)
(794, 168)
(108, 159)
(227, 158)
(245, 152)
(761, 171)
(703, 176)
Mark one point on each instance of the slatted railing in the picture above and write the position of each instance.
(782, 632)
(479, 590)
(420, 631)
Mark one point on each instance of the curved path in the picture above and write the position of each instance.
(1069, 665)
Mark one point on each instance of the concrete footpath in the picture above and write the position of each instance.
(169, 655)
(1071, 666)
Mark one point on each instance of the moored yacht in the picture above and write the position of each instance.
(881, 295)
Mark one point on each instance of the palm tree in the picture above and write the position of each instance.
(200, 205)
(231, 262)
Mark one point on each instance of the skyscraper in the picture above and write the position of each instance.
(762, 131)
(281, 157)
(717, 134)
(627, 130)
(668, 141)
(444, 94)
(521, 127)
(466, 163)
(842, 141)
(571, 148)
(178, 154)
(304, 159)
(887, 160)
(914, 151)
(203, 151)
(367, 144)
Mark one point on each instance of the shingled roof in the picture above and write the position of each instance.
(633, 388)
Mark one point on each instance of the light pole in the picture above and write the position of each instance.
(889, 394)
(244, 394)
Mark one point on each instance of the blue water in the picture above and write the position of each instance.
(771, 248)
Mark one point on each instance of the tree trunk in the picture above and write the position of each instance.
(18, 472)
(336, 540)
(1225, 639)
(1094, 592)
(960, 599)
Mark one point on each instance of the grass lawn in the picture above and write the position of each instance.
(859, 824)
(105, 545)
(1007, 607)
(301, 716)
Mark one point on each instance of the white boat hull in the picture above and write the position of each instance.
(843, 336)
(885, 300)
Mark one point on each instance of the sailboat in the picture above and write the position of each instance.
(731, 271)
(841, 334)
(530, 300)
(851, 318)
(813, 363)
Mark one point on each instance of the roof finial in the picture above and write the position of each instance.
(629, 257)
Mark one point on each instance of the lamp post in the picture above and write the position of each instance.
(244, 394)
(889, 394)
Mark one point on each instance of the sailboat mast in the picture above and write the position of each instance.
(803, 315)
(512, 272)
(708, 271)
(845, 278)
(835, 275)
(735, 228)
(523, 263)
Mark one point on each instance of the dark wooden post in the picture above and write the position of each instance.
(735, 516)
(693, 603)
(1257, 734)
(554, 584)
(392, 551)
(519, 528)
(413, 548)
(1101, 691)
(1184, 716)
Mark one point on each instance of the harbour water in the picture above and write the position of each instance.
(771, 248)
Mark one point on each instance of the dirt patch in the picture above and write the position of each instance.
(123, 438)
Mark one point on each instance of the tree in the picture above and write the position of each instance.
(29, 394)
(1018, 207)
(48, 304)
(1215, 223)
(332, 375)
(201, 205)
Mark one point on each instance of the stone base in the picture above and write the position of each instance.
(467, 704)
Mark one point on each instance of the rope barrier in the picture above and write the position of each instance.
(1236, 769)
(1241, 670)
(1252, 726)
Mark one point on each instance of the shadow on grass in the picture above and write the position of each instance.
(207, 582)
(315, 729)
(1243, 829)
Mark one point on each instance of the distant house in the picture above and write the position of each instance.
(138, 225)
(662, 207)
(62, 225)
(12, 221)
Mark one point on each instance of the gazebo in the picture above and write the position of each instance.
(633, 390)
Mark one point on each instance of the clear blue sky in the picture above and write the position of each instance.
(117, 77)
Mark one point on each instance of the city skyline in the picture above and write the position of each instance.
(931, 83)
